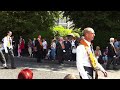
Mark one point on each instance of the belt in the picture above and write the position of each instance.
(89, 71)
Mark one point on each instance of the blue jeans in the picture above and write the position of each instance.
(53, 53)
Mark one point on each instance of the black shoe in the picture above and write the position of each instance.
(114, 68)
(5, 68)
(107, 68)
(13, 67)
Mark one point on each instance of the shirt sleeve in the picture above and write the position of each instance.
(79, 63)
(5, 45)
(99, 66)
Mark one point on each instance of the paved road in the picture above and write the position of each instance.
(48, 70)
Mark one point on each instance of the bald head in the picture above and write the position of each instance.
(87, 30)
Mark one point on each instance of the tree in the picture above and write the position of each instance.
(105, 23)
(27, 23)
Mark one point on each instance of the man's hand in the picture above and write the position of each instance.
(105, 74)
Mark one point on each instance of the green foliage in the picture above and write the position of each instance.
(78, 32)
(61, 31)
(27, 23)
(97, 19)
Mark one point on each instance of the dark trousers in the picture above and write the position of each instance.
(23, 52)
(60, 59)
(2, 57)
(73, 57)
(10, 53)
(67, 55)
(111, 60)
(44, 53)
(39, 56)
(90, 72)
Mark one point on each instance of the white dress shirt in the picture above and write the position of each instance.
(82, 60)
(6, 40)
(44, 45)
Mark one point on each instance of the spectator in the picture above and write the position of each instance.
(98, 52)
(19, 50)
(67, 49)
(39, 49)
(112, 58)
(70, 76)
(53, 49)
(25, 74)
(60, 50)
(30, 47)
(105, 57)
(44, 44)
(22, 45)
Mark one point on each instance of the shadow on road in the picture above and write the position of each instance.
(26, 62)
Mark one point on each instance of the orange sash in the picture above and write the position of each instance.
(40, 42)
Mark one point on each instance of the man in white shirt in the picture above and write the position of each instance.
(7, 44)
(44, 43)
(84, 65)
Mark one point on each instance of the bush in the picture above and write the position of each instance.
(61, 31)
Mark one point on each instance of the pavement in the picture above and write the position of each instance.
(48, 69)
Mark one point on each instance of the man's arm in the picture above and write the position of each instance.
(101, 69)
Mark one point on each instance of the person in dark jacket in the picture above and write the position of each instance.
(60, 49)
(39, 48)
(111, 55)
(67, 49)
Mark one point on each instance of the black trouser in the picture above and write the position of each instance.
(39, 56)
(2, 57)
(67, 55)
(44, 53)
(90, 72)
(60, 58)
(111, 60)
(10, 53)
(73, 57)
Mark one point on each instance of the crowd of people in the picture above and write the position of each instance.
(59, 48)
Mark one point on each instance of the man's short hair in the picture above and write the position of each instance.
(86, 30)
(25, 74)
(9, 31)
(70, 76)
(111, 39)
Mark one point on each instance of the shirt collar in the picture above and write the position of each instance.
(87, 42)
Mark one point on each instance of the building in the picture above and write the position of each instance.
(64, 21)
